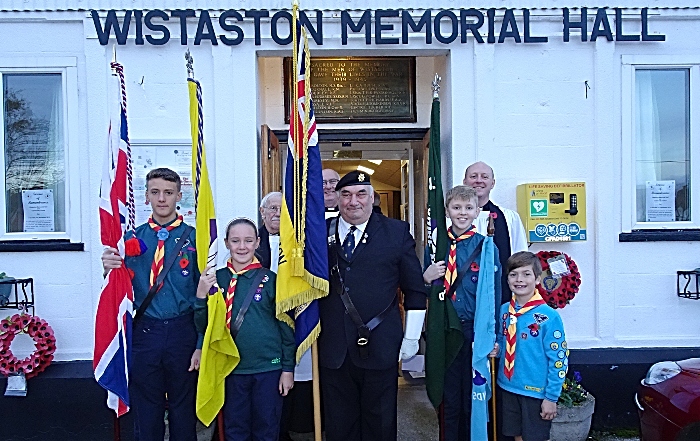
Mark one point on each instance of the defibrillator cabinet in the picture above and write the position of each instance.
(553, 212)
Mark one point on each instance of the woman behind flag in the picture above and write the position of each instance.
(255, 388)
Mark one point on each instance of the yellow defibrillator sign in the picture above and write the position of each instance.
(553, 212)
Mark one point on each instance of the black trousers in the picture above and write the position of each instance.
(298, 409)
(161, 354)
(457, 397)
(359, 404)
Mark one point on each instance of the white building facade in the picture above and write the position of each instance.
(613, 114)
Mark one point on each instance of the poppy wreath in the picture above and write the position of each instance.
(44, 345)
(558, 292)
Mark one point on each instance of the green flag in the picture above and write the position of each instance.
(444, 331)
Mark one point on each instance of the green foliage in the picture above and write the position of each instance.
(572, 393)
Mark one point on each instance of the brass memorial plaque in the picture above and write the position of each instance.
(359, 89)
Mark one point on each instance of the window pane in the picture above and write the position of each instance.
(34, 152)
(663, 144)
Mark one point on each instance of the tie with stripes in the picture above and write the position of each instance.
(231, 291)
(451, 266)
(511, 337)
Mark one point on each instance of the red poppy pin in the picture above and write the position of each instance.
(493, 215)
(184, 262)
(474, 266)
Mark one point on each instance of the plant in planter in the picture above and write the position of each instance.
(574, 412)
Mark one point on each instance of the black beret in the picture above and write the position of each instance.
(355, 177)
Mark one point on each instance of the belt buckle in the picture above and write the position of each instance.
(362, 341)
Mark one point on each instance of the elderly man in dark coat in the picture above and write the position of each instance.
(362, 338)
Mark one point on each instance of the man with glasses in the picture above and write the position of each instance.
(269, 231)
(330, 196)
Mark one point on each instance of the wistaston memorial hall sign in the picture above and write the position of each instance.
(445, 26)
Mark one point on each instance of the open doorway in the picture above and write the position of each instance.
(396, 161)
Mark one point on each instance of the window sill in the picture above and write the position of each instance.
(660, 236)
(40, 245)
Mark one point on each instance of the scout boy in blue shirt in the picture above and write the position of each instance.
(462, 207)
(534, 354)
(165, 344)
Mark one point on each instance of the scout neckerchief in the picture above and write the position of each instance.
(511, 339)
(162, 233)
(232, 285)
(451, 268)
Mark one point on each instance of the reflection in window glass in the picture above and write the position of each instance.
(662, 144)
(34, 152)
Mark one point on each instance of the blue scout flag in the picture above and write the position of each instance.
(484, 339)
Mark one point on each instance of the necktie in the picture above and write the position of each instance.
(162, 233)
(231, 291)
(511, 337)
(451, 265)
(349, 242)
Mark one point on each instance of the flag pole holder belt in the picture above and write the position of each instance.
(363, 330)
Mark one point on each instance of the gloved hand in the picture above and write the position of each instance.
(409, 348)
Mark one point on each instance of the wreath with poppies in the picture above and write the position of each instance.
(558, 291)
(44, 345)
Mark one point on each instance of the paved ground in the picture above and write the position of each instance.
(416, 418)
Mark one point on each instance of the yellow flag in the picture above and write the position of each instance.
(219, 357)
(204, 201)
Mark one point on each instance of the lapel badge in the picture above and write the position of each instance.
(265, 278)
(185, 273)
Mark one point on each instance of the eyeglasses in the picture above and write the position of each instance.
(273, 208)
(332, 182)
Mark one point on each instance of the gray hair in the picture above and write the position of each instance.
(263, 203)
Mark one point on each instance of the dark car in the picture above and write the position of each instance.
(668, 401)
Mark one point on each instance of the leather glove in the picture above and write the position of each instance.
(409, 348)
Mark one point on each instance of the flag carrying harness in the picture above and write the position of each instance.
(363, 330)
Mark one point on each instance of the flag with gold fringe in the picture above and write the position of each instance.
(302, 276)
(219, 353)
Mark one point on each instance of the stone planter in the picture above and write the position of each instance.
(573, 423)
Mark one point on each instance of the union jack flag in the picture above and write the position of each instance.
(302, 276)
(112, 354)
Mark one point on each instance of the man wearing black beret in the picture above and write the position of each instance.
(362, 338)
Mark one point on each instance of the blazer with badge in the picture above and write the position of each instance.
(383, 260)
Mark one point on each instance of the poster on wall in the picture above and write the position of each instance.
(174, 155)
(661, 201)
(38, 210)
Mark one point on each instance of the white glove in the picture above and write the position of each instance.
(414, 325)
(409, 348)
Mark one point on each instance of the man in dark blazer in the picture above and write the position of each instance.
(270, 210)
(370, 256)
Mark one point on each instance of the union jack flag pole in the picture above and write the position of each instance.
(112, 352)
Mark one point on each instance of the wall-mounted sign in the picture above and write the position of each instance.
(354, 89)
(380, 27)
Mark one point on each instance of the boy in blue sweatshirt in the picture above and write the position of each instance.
(534, 354)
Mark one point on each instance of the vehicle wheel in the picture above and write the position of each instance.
(690, 432)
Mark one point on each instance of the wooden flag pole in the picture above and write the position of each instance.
(492, 362)
(318, 436)
(491, 230)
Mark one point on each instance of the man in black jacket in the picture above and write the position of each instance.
(269, 231)
(371, 257)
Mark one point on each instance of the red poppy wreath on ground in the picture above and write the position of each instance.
(44, 345)
(558, 292)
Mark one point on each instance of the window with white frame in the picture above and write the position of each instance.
(35, 165)
(657, 143)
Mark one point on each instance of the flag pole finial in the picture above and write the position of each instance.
(436, 86)
(189, 63)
